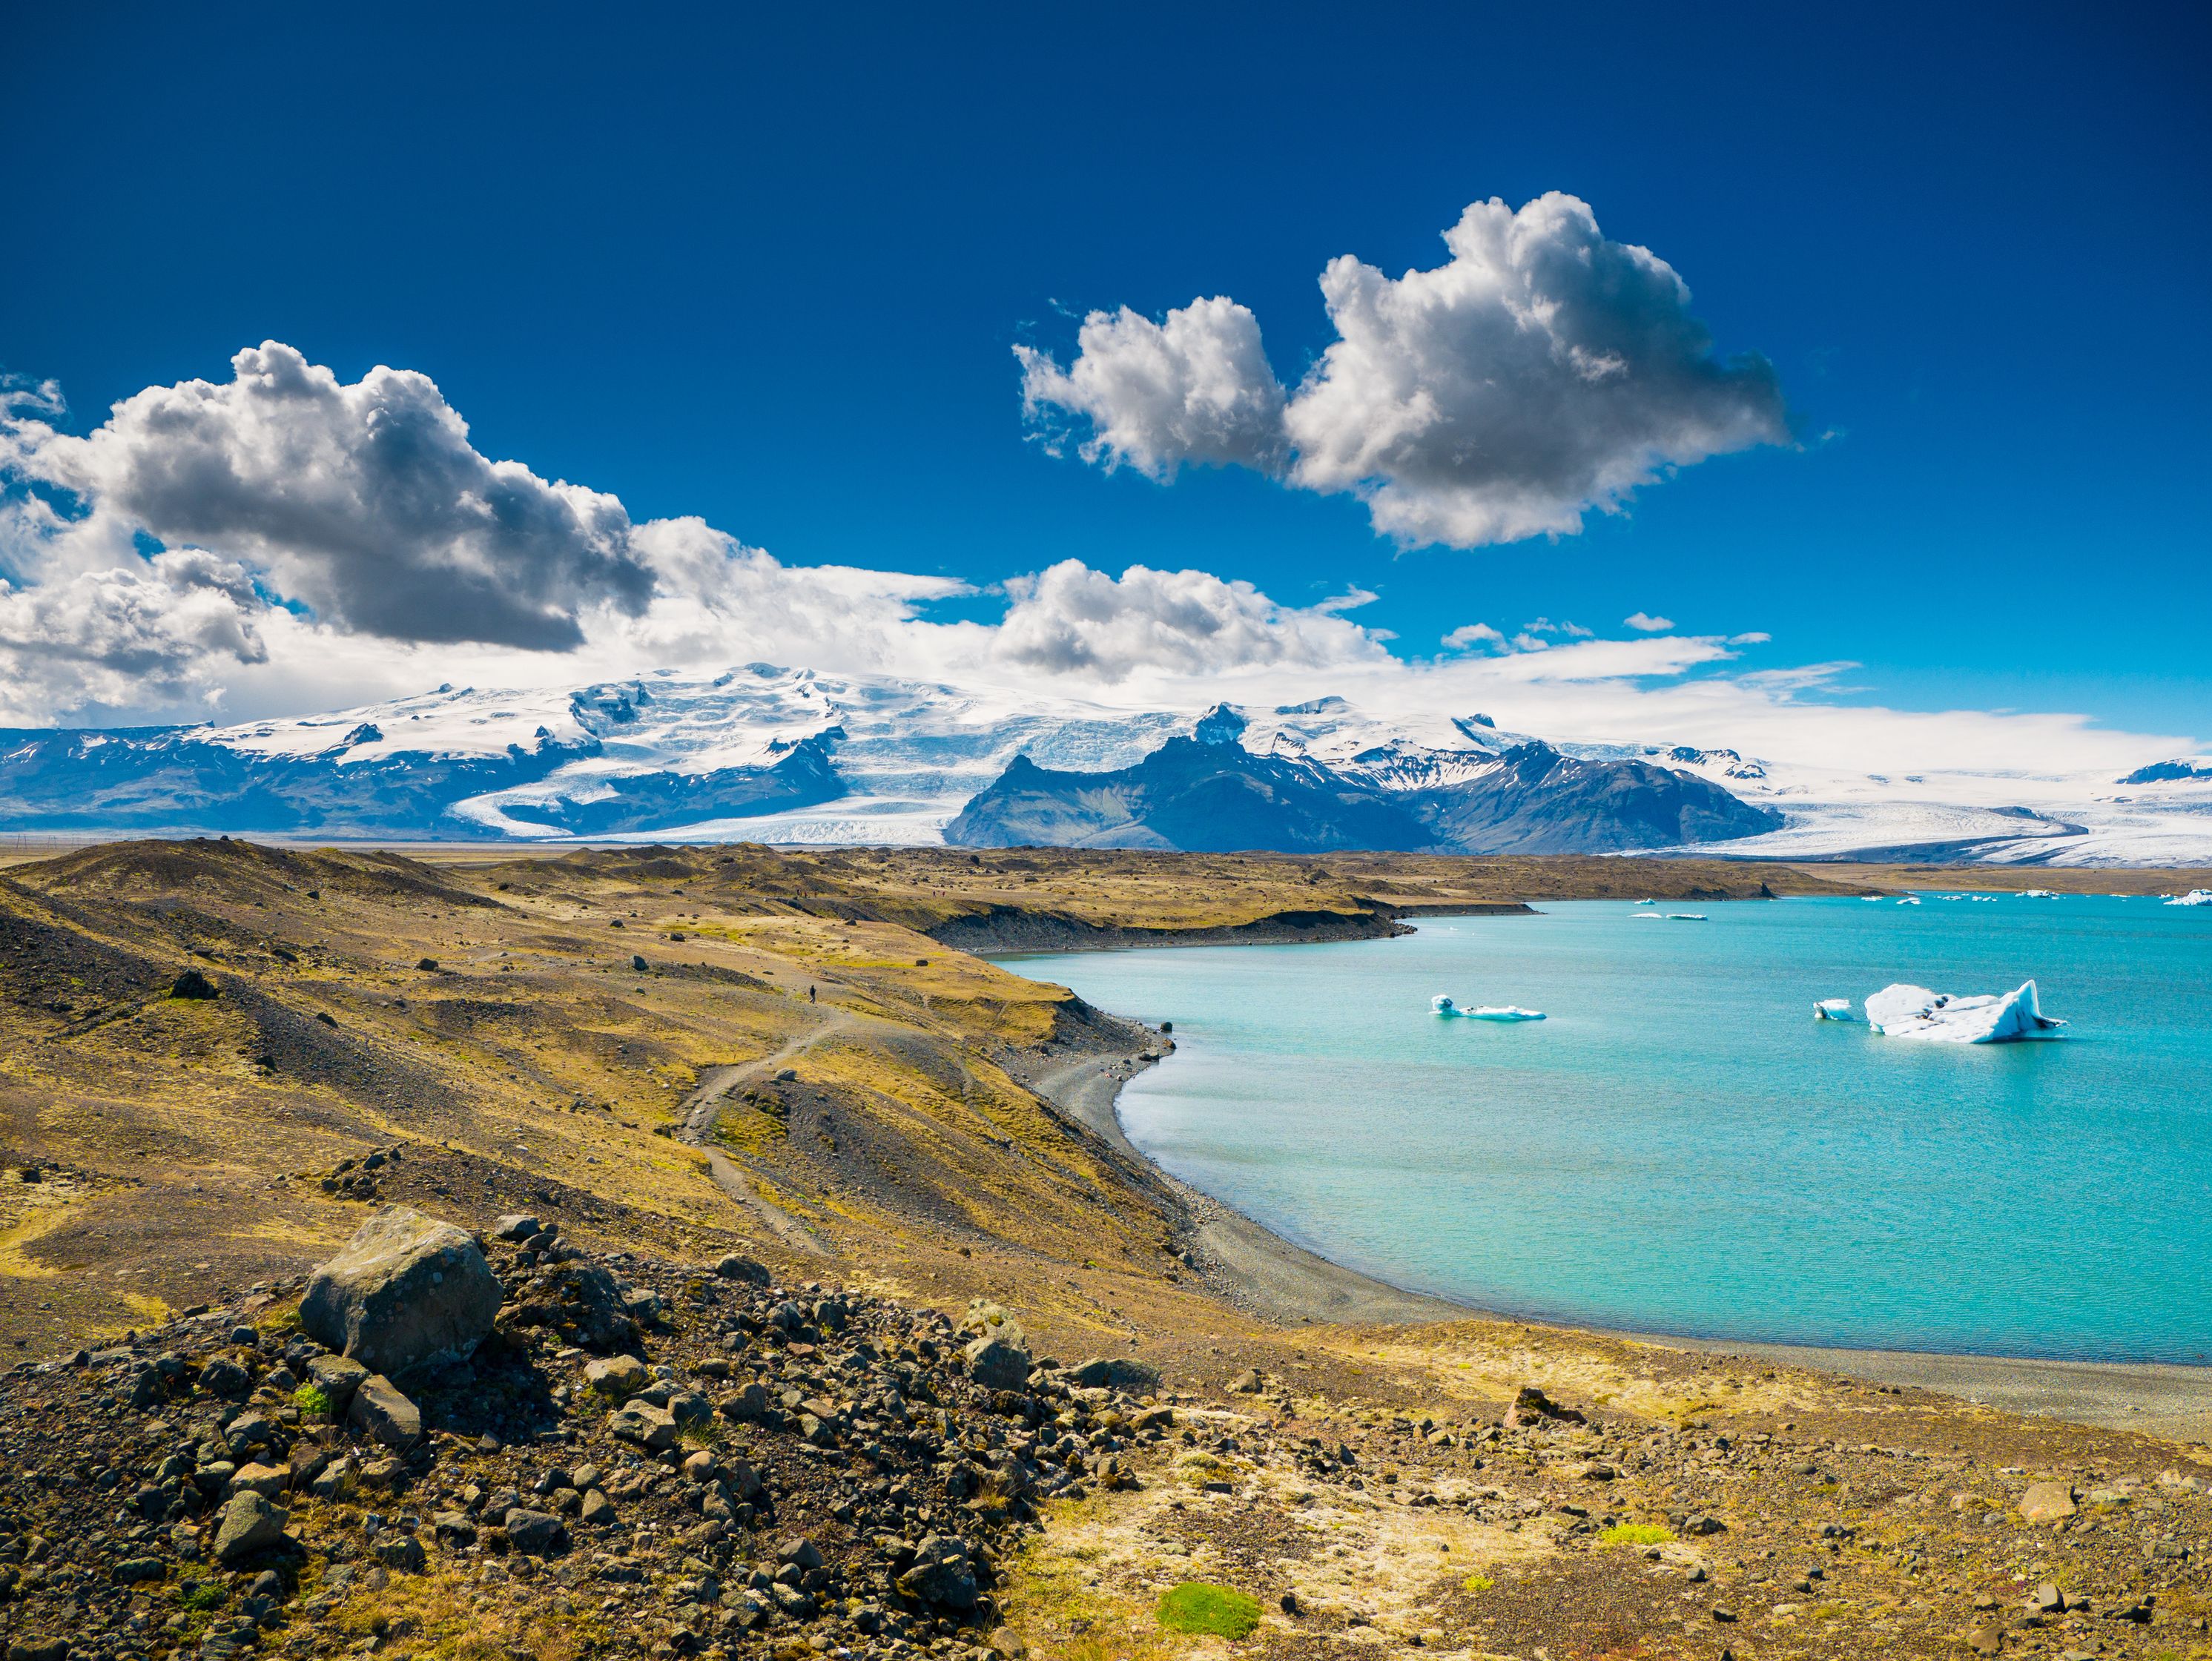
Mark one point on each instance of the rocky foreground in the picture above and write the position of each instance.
(630, 1459)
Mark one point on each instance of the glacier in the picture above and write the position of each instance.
(782, 754)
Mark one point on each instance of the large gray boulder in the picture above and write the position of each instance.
(408, 1291)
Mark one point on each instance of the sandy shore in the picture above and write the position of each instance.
(1259, 1271)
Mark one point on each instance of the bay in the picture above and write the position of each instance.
(1680, 1148)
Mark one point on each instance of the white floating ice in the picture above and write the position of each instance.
(2194, 896)
(2038, 893)
(1441, 1004)
(1686, 916)
(1914, 1012)
(1833, 1009)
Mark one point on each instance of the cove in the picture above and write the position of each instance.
(1681, 1149)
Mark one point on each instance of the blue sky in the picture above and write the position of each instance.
(770, 270)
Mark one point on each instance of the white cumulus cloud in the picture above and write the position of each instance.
(1195, 386)
(1070, 618)
(364, 501)
(1541, 372)
(1647, 624)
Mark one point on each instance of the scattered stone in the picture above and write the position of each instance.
(997, 1362)
(735, 1267)
(944, 1574)
(2047, 1502)
(537, 1533)
(1532, 1407)
(250, 1525)
(386, 1416)
(517, 1226)
(193, 985)
(617, 1377)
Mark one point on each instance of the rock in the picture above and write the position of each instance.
(997, 1362)
(1702, 1525)
(379, 1411)
(265, 1480)
(2047, 1599)
(191, 984)
(578, 1299)
(1247, 1382)
(651, 1427)
(1119, 1372)
(406, 1292)
(1532, 1407)
(38, 1649)
(735, 1267)
(749, 1402)
(943, 1573)
(597, 1508)
(517, 1226)
(333, 1481)
(224, 1377)
(537, 1533)
(1985, 1641)
(744, 1480)
(801, 1553)
(250, 1524)
(338, 1377)
(617, 1377)
(2047, 1502)
(402, 1552)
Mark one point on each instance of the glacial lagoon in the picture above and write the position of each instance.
(1679, 1148)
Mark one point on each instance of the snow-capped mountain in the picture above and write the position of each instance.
(770, 754)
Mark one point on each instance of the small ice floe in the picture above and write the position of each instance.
(1441, 1004)
(2194, 896)
(1833, 1009)
(1910, 899)
(1914, 1012)
(1686, 916)
(1647, 917)
(1873, 899)
(2038, 893)
(1647, 901)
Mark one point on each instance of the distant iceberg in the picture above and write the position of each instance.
(1686, 916)
(1914, 1012)
(1910, 899)
(1441, 1004)
(2194, 896)
(2038, 893)
(1647, 917)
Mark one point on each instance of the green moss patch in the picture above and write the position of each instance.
(1636, 1534)
(1195, 1606)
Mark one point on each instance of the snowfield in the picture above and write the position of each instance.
(768, 754)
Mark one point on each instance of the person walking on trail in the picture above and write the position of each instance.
(810, 995)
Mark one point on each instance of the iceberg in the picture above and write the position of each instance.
(2038, 893)
(1441, 1004)
(1909, 900)
(1914, 1012)
(2194, 896)
(1686, 916)
(1647, 917)
(1833, 1009)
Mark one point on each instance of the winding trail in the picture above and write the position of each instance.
(702, 1106)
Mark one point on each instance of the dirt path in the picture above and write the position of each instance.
(715, 1085)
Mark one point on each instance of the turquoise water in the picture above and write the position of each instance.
(1680, 1148)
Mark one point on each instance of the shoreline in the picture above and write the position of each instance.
(1258, 1271)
